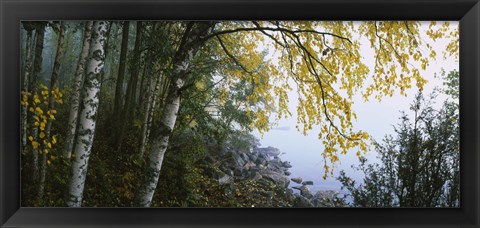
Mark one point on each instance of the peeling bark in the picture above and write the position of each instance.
(191, 42)
(88, 115)
(77, 86)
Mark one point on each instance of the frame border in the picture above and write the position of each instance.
(466, 11)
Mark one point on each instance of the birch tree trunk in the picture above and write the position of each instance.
(88, 115)
(51, 107)
(117, 106)
(77, 86)
(149, 104)
(192, 40)
(34, 84)
(26, 76)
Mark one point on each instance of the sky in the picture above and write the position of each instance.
(375, 118)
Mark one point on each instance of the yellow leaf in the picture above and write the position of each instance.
(49, 145)
(200, 85)
(30, 138)
(42, 135)
(54, 140)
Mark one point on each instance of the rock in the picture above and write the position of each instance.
(270, 151)
(305, 192)
(253, 156)
(297, 180)
(301, 201)
(225, 179)
(244, 156)
(307, 183)
(249, 165)
(286, 164)
(238, 159)
(325, 198)
(277, 178)
(255, 175)
(237, 172)
(326, 194)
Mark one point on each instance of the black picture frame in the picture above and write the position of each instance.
(12, 12)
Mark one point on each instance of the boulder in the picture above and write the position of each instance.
(297, 180)
(237, 172)
(249, 165)
(225, 179)
(305, 192)
(238, 159)
(254, 175)
(277, 178)
(286, 164)
(270, 151)
(301, 201)
(307, 183)
(325, 198)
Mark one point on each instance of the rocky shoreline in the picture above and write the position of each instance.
(263, 164)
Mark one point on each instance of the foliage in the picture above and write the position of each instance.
(419, 165)
(241, 79)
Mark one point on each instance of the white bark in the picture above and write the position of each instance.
(77, 85)
(158, 151)
(190, 44)
(87, 121)
(26, 76)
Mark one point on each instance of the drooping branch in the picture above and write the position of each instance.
(277, 29)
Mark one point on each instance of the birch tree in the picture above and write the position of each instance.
(45, 132)
(320, 57)
(26, 75)
(191, 42)
(88, 115)
(77, 85)
(34, 88)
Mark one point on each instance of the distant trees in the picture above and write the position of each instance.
(419, 166)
